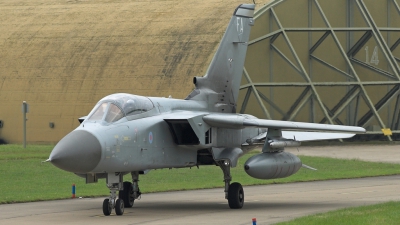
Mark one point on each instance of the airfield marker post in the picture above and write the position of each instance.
(73, 190)
(25, 109)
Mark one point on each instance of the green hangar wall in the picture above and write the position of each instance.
(324, 61)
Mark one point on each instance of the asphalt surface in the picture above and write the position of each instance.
(373, 153)
(269, 204)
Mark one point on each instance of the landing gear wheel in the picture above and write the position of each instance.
(107, 207)
(127, 195)
(119, 207)
(235, 196)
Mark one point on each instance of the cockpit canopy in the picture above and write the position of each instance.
(116, 106)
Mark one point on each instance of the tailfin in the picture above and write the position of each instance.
(220, 86)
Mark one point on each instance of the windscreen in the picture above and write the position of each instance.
(99, 112)
(130, 104)
(113, 114)
(114, 107)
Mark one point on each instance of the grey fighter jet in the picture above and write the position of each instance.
(127, 133)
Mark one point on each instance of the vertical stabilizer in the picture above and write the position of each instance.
(220, 86)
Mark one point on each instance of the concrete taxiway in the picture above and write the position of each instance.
(372, 153)
(269, 203)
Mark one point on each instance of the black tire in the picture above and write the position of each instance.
(127, 194)
(235, 196)
(107, 207)
(119, 207)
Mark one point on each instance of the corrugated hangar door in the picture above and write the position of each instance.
(323, 61)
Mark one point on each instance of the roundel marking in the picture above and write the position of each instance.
(151, 137)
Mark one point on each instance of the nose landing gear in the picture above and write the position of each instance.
(128, 192)
(109, 205)
(112, 202)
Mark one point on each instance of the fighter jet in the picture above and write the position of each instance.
(126, 133)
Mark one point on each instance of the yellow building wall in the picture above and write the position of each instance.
(63, 56)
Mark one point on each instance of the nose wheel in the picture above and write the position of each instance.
(107, 207)
(128, 192)
(113, 203)
(114, 183)
(119, 207)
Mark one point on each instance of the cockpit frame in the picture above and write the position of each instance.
(114, 107)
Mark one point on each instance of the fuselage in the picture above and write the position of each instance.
(108, 141)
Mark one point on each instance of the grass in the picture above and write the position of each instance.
(386, 213)
(25, 178)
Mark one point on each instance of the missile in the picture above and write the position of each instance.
(283, 143)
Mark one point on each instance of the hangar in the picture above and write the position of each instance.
(323, 61)
(305, 62)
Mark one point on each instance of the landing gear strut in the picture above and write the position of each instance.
(128, 192)
(233, 192)
(131, 191)
(112, 202)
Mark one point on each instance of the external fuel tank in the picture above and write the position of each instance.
(270, 165)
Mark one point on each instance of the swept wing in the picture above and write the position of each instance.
(240, 121)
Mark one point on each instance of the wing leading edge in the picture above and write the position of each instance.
(239, 121)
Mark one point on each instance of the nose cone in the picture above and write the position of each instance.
(78, 152)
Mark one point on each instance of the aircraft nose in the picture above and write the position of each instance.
(78, 152)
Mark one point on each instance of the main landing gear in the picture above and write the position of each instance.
(128, 192)
(233, 192)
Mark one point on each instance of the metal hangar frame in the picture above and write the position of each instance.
(325, 61)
